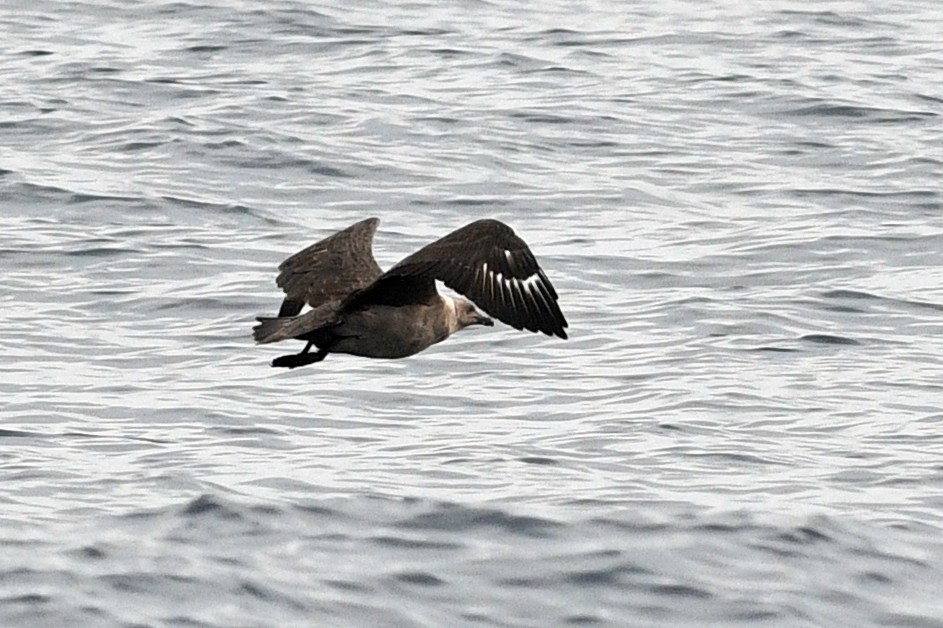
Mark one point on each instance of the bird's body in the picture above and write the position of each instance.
(394, 332)
(390, 331)
(359, 310)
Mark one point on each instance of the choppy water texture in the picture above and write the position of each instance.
(739, 203)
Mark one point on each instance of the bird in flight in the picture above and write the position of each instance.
(358, 309)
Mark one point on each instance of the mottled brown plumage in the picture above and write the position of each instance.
(329, 269)
(358, 309)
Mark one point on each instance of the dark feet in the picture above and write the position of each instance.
(298, 359)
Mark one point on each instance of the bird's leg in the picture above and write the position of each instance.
(299, 359)
(307, 347)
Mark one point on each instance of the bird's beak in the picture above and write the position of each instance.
(484, 319)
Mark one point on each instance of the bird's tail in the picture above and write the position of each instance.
(271, 329)
(275, 328)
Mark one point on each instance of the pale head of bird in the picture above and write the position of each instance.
(463, 313)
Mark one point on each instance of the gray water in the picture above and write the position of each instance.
(739, 204)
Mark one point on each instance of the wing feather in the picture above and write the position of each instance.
(488, 263)
(330, 269)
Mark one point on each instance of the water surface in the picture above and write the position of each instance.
(739, 206)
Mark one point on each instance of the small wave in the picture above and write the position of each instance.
(832, 18)
(858, 295)
(208, 504)
(607, 576)
(874, 114)
(449, 516)
(828, 339)
(414, 543)
(189, 203)
(539, 460)
(848, 294)
(79, 198)
(206, 48)
(420, 578)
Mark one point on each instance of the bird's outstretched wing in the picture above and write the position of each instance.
(488, 263)
(330, 269)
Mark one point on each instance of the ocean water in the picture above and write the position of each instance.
(739, 204)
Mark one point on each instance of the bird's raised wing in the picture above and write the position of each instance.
(330, 269)
(488, 263)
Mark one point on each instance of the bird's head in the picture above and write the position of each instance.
(464, 313)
